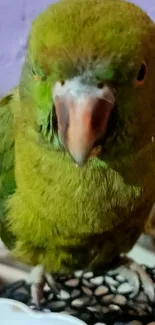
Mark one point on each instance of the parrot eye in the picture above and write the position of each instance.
(36, 78)
(141, 74)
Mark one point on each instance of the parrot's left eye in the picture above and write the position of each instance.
(36, 77)
(141, 74)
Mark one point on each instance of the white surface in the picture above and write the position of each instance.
(16, 313)
(142, 256)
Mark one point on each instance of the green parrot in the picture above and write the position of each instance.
(77, 149)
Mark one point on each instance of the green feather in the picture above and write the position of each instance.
(7, 178)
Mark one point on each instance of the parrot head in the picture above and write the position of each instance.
(90, 74)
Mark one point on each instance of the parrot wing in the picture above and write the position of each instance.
(7, 179)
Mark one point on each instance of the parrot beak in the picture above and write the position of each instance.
(82, 113)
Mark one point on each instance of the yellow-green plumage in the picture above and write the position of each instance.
(62, 216)
(7, 181)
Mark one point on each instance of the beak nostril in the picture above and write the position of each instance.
(100, 85)
(62, 82)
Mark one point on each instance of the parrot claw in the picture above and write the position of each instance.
(37, 280)
(136, 276)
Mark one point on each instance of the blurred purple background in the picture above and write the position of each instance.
(15, 21)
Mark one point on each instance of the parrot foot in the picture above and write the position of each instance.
(37, 279)
(136, 276)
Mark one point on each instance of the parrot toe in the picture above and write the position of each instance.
(136, 276)
(37, 279)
